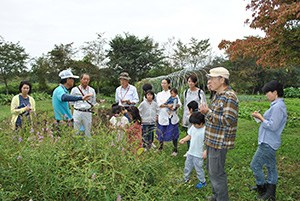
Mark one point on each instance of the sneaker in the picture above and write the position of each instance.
(201, 185)
(153, 145)
(174, 154)
(185, 155)
(184, 181)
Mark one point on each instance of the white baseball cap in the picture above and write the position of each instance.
(67, 74)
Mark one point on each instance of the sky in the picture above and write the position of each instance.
(40, 24)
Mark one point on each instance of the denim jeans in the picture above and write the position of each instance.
(215, 165)
(264, 155)
(148, 132)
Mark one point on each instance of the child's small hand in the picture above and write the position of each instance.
(204, 155)
(181, 141)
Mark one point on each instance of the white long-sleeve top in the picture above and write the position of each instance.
(163, 116)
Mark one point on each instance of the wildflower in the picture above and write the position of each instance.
(28, 139)
(47, 129)
(93, 176)
(20, 139)
(38, 133)
(107, 116)
(43, 129)
(103, 106)
(62, 122)
(40, 141)
(66, 115)
(47, 117)
(35, 114)
(21, 117)
(51, 136)
(123, 149)
(19, 158)
(69, 124)
(69, 120)
(32, 130)
(41, 137)
(103, 187)
(112, 144)
(119, 198)
(50, 132)
(13, 137)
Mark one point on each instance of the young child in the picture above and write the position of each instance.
(148, 111)
(172, 100)
(118, 119)
(134, 132)
(192, 107)
(146, 87)
(196, 152)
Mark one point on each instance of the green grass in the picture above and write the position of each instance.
(68, 168)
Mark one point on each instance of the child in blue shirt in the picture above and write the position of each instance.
(196, 152)
(173, 99)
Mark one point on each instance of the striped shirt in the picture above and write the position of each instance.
(221, 120)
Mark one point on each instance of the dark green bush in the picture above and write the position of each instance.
(292, 92)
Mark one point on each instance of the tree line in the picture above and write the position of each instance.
(252, 61)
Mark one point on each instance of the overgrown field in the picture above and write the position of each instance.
(42, 163)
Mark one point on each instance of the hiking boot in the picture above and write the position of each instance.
(260, 189)
(270, 193)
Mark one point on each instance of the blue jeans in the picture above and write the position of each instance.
(264, 155)
(148, 132)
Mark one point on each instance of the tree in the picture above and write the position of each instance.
(133, 55)
(12, 61)
(191, 55)
(279, 19)
(40, 72)
(94, 52)
(60, 58)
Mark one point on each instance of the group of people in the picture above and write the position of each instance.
(211, 128)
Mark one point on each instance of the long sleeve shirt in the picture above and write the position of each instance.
(148, 112)
(271, 128)
(130, 93)
(221, 120)
(163, 116)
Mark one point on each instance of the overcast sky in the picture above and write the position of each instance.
(40, 24)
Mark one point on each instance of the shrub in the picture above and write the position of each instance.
(292, 92)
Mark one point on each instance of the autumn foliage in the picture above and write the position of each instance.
(280, 20)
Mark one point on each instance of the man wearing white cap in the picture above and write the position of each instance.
(126, 94)
(60, 96)
(82, 109)
(220, 131)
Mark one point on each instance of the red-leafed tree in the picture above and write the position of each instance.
(280, 20)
